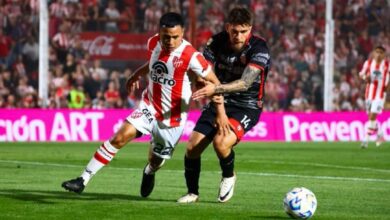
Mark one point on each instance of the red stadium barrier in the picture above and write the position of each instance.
(90, 125)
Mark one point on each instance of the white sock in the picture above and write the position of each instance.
(150, 170)
(372, 127)
(379, 131)
(102, 157)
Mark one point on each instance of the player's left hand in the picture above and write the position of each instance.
(222, 123)
(207, 91)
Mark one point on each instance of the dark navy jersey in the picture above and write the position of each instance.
(229, 66)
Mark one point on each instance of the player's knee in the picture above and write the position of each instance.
(118, 141)
(191, 150)
(221, 148)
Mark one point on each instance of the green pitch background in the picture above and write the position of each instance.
(350, 183)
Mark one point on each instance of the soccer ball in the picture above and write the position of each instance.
(300, 203)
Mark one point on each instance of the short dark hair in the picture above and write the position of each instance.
(171, 19)
(240, 16)
(381, 48)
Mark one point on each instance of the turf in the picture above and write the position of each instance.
(350, 183)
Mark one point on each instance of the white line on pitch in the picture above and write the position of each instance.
(321, 165)
(181, 171)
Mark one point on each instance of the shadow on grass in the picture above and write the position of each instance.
(50, 197)
(275, 217)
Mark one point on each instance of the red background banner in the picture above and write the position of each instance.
(115, 46)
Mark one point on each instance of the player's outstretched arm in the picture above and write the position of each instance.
(248, 77)
(221, 121)
(132, 82)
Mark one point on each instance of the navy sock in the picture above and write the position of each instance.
(227, 165)
(191, 173)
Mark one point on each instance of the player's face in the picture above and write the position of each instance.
(238, 34)
(171, 38)
(379, 54)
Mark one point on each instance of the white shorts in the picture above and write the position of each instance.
(164, 139)
(375, 106)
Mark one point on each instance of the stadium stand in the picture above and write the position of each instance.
(294, 31)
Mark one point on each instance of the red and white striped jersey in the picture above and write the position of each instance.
(378, 75)
(62, 39)
(169, 88)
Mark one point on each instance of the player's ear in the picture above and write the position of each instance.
(227, 25)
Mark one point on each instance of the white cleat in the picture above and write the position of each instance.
(226, 188)
(379, 140)
(364, 145)
(188, 198)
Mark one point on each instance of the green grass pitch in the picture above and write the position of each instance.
(349, 183)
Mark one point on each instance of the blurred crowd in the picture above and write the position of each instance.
(294, 30)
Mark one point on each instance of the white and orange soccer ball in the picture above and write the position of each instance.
(300, 203)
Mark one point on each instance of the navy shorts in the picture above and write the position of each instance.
(241, 120)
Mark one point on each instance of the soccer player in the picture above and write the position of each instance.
(162, 112)
(241, 63)
(375, 73)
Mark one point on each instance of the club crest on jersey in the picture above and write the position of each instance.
(136, 114)
(177, 62)
(159, 74)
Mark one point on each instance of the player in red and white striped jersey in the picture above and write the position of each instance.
(375, 73)
(163, 110)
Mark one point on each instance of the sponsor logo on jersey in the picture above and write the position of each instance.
(147, 114)
(159, 74)
(377, 74)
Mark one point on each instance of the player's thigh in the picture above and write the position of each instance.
(126, 133)
(376, 106)
(165, 139)
(197, 143)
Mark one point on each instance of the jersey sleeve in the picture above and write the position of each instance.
(260, 57)
(199, 65)
(208, 52)
(152, 43)
(364, 70)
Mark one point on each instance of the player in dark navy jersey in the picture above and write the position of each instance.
(241, 62)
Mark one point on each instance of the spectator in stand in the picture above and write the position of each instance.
(11, 102)
(76, 97)
(112, 17)
(126, 22)
(6, 44)
(70, 65)
(61, 43)
(299, 103)
(30, 52)
(92, 17)
(365, 43)
(152, 16)
(111, 95)
(98, 69)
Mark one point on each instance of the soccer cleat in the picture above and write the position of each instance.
(379, 140)
(74, 185)
(226, 188)
(364, 145)
(188, 198)
(147, 184)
